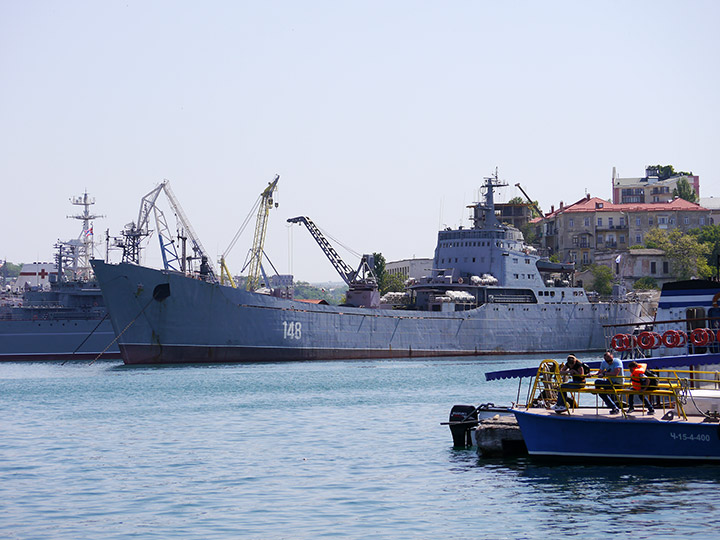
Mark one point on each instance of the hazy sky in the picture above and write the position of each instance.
(381, 117)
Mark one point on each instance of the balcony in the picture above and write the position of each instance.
(611, 227)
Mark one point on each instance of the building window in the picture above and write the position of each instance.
(610, 222)
(662, 220)
(702, 221)
(585, 258)
(599, 222)
(637, 221)
(587, 221)
(666, 267)
(574, 240)
(622, 221)
(571, 223)
(600, 239)
(686, 221)
(653, 268)
(622, 238)
(650, 221)
(638, 239)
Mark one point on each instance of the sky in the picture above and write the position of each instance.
(381, 117)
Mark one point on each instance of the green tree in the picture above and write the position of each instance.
(602, 279)
(686, 254)
(379, 268)
(645, 283)
(710, 236)
(685, 191)
(664, 171)
(387, 282)
(393, 283)
(533, 206)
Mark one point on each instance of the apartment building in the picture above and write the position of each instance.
(592, 226)
(650, 188)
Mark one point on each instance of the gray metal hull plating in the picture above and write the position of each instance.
(57, 339)
(203, 322)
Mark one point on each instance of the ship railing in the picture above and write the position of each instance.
(671, 393)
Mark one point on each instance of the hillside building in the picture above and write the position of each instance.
(650, 188)
(592, 226)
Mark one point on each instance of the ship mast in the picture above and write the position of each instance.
(484, 213)
(83, 249)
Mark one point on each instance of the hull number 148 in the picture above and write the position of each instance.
(292, 330)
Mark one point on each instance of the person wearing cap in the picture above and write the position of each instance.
(612, 369)
(639, 380)
(577, 370)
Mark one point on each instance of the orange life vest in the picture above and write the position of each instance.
(637, 374)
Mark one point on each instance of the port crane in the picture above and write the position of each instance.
(264, 203)
(134, 233)
(362, 283)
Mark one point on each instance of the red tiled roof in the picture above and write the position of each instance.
(592, 205)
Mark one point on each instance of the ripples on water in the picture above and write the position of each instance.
(302, 451)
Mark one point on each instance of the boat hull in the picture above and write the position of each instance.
(565, 436)
(57, 339)
(193, 321)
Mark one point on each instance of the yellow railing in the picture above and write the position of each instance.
(671, 392)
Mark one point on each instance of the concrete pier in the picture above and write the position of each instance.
(499, 436)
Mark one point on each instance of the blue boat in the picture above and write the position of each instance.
(684, 424)
(602, 436)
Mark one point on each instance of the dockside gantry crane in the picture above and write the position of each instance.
(362, 283)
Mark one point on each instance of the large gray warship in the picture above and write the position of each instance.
(488, 293)
(56, 311)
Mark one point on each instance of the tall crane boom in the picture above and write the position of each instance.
(205, 264)
(346, 273)
(362, 282)
(266, 203)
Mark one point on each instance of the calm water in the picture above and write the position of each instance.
(302, 451)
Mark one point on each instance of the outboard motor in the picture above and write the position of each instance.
(463, 419)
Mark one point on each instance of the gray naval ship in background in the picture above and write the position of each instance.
(55, 311)
(488, 293)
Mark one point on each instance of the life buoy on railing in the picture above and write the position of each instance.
(620, 342)
(671, 338)
(699, 337)
(658, 340)
(646, 340)
(683, 338)
(460, 280)
(710, 335)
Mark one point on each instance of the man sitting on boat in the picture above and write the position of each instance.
(612, 369)
(639, 382)
(578, 370)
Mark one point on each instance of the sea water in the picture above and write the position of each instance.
(303, 450)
